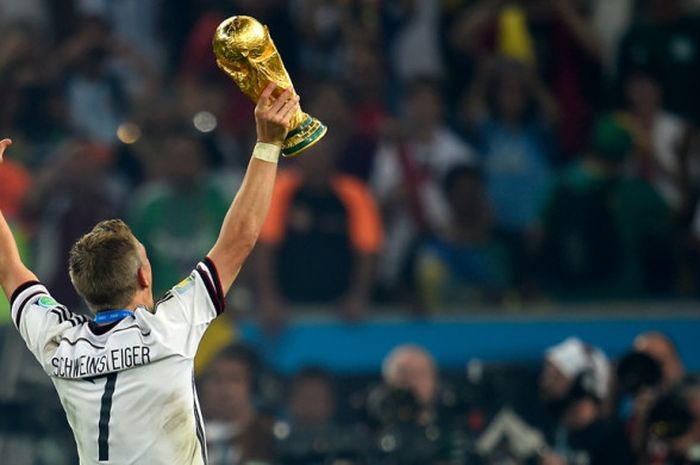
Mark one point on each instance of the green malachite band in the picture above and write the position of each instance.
(301, 127)
(312, 139)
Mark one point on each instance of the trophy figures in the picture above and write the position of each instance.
(244, 50)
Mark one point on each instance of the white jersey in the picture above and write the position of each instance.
(127, 388)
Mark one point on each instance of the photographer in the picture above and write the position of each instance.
(673, 427)
(650, 369)
(574, 387)
(415, 422)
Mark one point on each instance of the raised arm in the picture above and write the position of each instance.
(13, 273)
(248, 211)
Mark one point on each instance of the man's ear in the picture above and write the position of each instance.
(144, 283)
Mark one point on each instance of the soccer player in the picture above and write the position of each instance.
(125, 378)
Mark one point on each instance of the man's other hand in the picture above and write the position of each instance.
(273, 115)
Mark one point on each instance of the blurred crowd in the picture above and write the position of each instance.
(480, 152)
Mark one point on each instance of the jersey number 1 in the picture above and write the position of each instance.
(105, 413)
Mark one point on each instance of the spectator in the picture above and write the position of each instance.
(557, 38)
(236, 433)
(662, 148)
(611, 20)
(314, 438)
(332, 103)
(407, 173)
(13, 11)
(666, 40)
(95, 94)
(312, 399)
(466, 264)
(511, 115)
(33, 103)
(415, 50)
(133, 21)
(176, 240)
(367, 78)
(574, 385)
(606, 235)
(321, 25)
(320, 239)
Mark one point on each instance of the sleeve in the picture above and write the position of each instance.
(187, 309)
(38, 317)
(200, 295)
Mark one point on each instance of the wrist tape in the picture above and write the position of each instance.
(267, 152)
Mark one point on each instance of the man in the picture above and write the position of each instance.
(410, 410)
(574, 385)
(467, 263)
(236, 432)
(125, 378)
(315, 437)
(312, 400)
(605, 235)
(406, 174)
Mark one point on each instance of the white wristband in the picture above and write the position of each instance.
(267, 152)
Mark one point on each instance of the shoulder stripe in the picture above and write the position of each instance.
(64, 311)
(24, 303)
(60, 316)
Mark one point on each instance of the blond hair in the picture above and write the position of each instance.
(104, 264)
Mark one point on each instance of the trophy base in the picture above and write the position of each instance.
(303, 136)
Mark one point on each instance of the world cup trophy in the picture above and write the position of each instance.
(244, 50)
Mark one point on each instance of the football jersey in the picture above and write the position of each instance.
(128, 387)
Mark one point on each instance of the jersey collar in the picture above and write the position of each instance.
(105, 317)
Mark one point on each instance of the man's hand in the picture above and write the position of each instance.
(273, 115)
(3, 145)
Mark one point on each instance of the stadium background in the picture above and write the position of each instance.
(498, 176)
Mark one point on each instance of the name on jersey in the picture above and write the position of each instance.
(113, 360)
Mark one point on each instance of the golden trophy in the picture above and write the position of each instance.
(244, 50)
